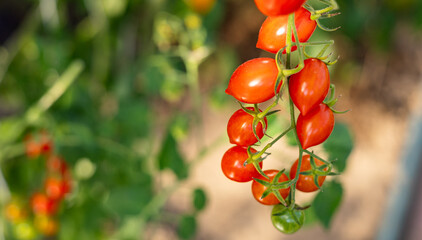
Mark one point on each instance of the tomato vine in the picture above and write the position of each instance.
(307, 84)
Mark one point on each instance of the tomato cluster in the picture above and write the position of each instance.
(289, 24)
(45, 202)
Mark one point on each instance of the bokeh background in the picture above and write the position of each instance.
(131, 92)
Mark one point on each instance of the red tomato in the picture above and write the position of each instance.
(32, 149)
(232, 165)
(254, 81)
(41, 204)
(305, 183)
(278, 7)
(46, 143)
(309, 87)
(240, 129)
(56, 164)
(56, 189)
(316, 126)
(258, 189)
(272, 35)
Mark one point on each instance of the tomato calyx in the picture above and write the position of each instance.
(259, 117)
(320, 56)
(274, 186)
(324, 13)
(255, 159)
(331, 100)
(318, 171)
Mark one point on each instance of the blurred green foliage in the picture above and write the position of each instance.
(137, 62)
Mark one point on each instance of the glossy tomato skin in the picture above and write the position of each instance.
(240, 128)
(287, 220)
(278, 7)
(232, 165)
(305, 183)
(272, 35)
(316, 126)
(254, 81)
(258, 189)
(310, 86)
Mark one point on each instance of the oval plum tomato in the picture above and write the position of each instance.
(232, 165)
(305, 183)
(272, 35)
(254, 81)
(240, 129)
(309, 87)
(41, 204)
(287, 220)
(278, 7)
(316, 126)
(258, 189)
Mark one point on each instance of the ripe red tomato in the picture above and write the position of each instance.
(278, 7)
(232, 165)
(45, 142)
(309, 87)
(254, 81)
(258, 189)
(56, 164)
(41, 204)
(240, 129)
(272, 35)
(305, 183)
(32, 149)
(56, 189)
(316, 126)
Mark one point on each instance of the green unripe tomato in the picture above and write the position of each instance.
(286, 220)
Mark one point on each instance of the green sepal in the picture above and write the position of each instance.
(266, 193)
(262, 182)
(316, 182)
(279, 197)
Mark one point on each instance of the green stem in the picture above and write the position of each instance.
(55, 92)
(317, 157)
(291, 105)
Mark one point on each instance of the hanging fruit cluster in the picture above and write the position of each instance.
(38, 215)
(286, 31)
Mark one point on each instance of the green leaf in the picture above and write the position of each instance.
(199, 199)
(171, 158)
(327, 202)
(187, 227)
(339, 146)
